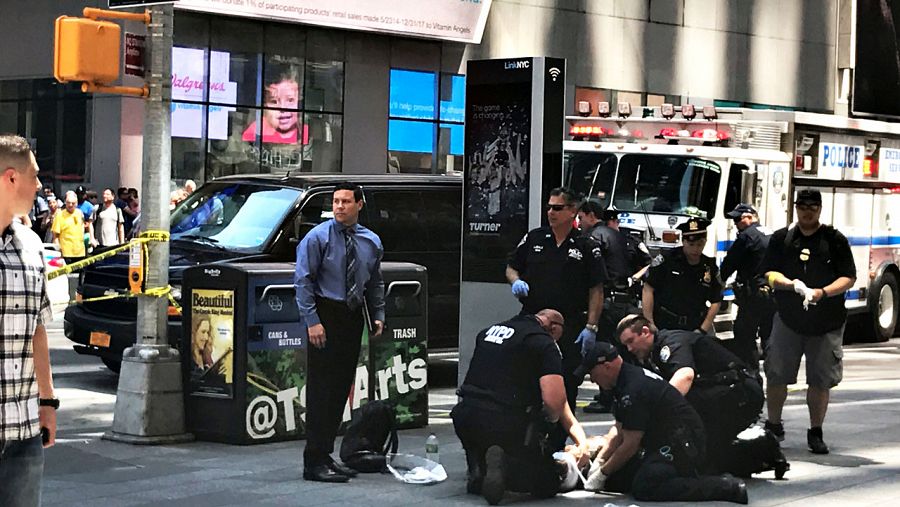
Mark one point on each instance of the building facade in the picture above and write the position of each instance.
(252, 94)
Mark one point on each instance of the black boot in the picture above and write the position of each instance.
(815, 442)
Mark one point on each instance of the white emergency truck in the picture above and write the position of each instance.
(665, 164)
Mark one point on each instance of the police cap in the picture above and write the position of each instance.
(694, 228)
(809, 197)
(611, 213)
(741, 210)
(599, 353)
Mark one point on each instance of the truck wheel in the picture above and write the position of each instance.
(113, 364)
(883, 308)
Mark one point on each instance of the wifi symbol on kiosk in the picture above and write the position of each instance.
(554, 73)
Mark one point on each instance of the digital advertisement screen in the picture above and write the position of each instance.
(876, 78)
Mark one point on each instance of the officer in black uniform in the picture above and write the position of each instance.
(682, 281)
(751, 294)
(512, 394)
(555, 267)
(624, 257)
(658, 443)
(720, 387)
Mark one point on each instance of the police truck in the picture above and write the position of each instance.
(668, 163)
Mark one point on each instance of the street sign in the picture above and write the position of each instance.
(134, 54)
(123, 4)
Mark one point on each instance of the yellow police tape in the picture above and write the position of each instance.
(143, 239)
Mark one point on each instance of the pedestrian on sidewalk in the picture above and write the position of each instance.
(68, 230)
(109, 224)
(338, 273)
(27, 405)
(810, 266)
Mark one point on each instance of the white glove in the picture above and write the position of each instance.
(800, 287)
(596, 478)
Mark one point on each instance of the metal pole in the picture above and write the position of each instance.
(149, 400)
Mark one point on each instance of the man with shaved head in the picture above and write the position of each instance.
(68, 230)
(512, 397)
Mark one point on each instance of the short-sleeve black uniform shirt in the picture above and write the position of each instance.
(643, 401)
(509, 360)
(674, 349)
(559, 277)
(683, 288)
(817, 260)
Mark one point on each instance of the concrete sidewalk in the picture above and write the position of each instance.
(863, 430)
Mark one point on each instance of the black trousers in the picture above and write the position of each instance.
(330, 374)
(529, 467)
(754, 319)
(727, 410)
(658, 480)
(571, 359)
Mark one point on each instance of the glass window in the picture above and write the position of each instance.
(234, 62)
(412, 94)
(591, 174)
(451, 149)
(322, 142)
(324, 90)
(664, 184)
(228, 216)
(453, 98)
(233, 145)
(400, 220)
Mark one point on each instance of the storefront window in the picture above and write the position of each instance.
(250, 97)
(427, 115)
(55, 118)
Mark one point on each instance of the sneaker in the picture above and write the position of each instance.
(815, 442)
(493, 485)
(777, 429)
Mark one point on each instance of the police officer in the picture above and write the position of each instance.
(658, 443)
(624, 258)
(682, 281)
(513, 388)
(719, 386)
(555, 267)
(751, 294)
(810, 266)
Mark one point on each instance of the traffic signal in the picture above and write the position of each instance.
(86, 50)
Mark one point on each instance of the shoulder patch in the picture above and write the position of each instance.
(657, 260)
(665, 354)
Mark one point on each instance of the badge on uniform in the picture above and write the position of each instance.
(707, 275)
(575, 253)
(625, 401)
(538, 248)
(665, 354)
(657, 261)
(804, 255)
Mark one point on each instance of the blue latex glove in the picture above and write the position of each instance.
(586, 339)
(520, 288)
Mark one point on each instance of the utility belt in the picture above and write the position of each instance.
(667, 319)
(724, 378)
(616, 296)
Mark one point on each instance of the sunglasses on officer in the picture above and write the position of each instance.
(558, 207)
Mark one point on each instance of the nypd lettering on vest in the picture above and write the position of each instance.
(498, 334)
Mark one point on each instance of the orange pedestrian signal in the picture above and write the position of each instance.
(86, 50)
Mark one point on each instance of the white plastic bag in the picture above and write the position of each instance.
(413, 469)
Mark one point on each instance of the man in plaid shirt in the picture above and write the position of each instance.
(27, 404)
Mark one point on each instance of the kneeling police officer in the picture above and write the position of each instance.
(658, 443)
(722, 389)
(512, 397)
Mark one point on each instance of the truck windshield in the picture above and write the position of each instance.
(667, 184)
(591, 174)
(232, 216)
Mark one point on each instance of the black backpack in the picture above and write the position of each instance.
(372, 433)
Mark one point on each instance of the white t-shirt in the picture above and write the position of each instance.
(106, 227)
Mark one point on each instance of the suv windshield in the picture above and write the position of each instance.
(591, 174)
(232, 216)
(667, 184)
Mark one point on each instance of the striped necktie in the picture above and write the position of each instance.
(352, 263)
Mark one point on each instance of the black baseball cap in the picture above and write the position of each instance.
(740, 210)
(809, 196)
(611, 213)
(600, 353)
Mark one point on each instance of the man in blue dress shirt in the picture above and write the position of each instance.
(338, 272)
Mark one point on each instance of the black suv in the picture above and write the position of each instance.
(261, 218)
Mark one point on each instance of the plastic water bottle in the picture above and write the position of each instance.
(431, 448)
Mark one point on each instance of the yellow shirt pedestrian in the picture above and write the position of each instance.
(68, 230)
